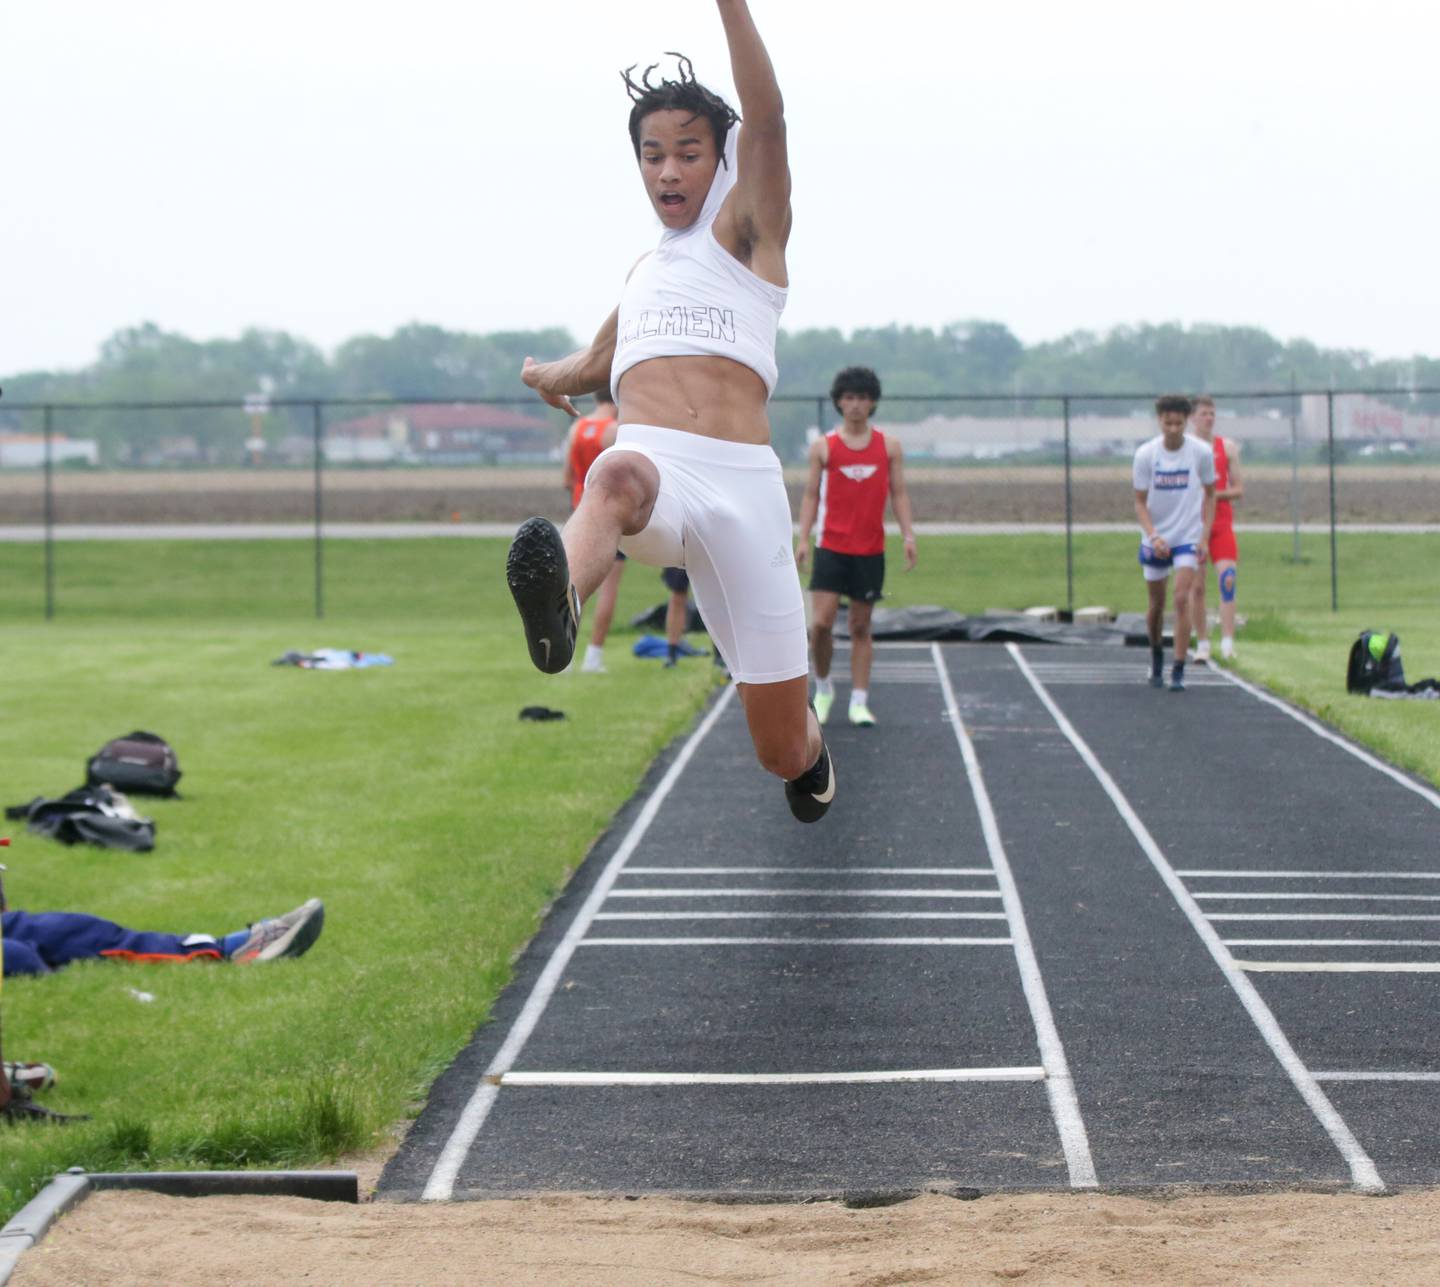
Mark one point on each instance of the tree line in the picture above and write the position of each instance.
(917, 365)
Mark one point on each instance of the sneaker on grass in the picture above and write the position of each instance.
(29, 1076)
(293, 934)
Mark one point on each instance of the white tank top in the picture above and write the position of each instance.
(690, 297)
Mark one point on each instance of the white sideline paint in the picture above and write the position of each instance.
(799, 916)
(1060, 1088)
(441, 1184)
(1317, 875)
(1317, 916)
(1340, 967)
(766, 1079)
(1332, 942)
(804, 893)
(1363, 1172)
(811, 871)
(1350, 898)
(1377, 1076)
(912, 941)
(1314, 725)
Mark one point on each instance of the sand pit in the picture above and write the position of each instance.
(124, 1238)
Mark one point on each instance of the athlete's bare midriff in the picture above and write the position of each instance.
(711, 396)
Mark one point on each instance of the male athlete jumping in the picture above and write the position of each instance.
(692, 480)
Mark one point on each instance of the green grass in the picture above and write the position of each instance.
(434, 824)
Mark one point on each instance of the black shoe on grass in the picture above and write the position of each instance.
(539, 578)
(810, 794)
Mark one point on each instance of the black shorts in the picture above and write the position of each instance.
(858, 577)
(677, 580)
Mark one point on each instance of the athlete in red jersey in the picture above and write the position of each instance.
(853, 471)
(590, 436)
(1224, 551)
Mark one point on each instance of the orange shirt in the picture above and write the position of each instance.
(586, 442)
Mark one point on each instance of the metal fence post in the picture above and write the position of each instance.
(49, 513)
(1069, 517)
(319, 426)
(1294, 472)
(1334, 565)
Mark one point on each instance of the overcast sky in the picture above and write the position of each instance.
(333, 169)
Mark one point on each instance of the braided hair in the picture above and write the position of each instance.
(686, 94)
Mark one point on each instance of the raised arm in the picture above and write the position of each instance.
(761, 199)
(584, 371)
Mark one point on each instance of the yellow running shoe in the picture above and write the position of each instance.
(822, 704)
(861, 717)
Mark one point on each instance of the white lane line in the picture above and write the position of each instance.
(1059, 1086)
(1317, 916)
(1364, 756)
(911, 941)
(441, 1184)
(1362, 1169)
(799, 916)
(804, 893)
(1377, 1076)
(1315, 875)
(1332, 942)
(1307, 897)
(1340, 967)
(767, 1079)
(811, 871)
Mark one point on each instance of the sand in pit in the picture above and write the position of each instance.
(124, 1238)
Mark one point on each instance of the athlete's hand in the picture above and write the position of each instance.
(1160, 546)
(802, 554)
(533, 374)
(1202, 553)
(910, 553)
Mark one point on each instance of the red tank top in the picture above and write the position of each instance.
(585, 445)
(854, 486)
(1224, 512)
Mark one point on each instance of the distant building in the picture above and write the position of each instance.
(27, 450)
(442, 434)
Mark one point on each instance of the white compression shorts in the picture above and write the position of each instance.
(722, 514)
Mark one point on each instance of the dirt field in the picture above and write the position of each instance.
(1365, 493)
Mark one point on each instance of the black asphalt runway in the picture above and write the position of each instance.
(1093, 934)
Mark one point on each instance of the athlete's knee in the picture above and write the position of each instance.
(625, 482)
(1227, 585)
(859, 632)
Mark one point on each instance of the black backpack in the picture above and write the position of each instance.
(97, 815)
(140, 763)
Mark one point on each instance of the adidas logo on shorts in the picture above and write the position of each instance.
(780, 558)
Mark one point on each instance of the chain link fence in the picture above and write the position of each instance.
(1318, 464)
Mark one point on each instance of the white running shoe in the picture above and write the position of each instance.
(1202, 651)
(1227, 648)
(596, 667)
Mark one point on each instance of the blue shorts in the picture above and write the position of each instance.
(1157, 568)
